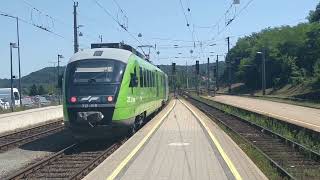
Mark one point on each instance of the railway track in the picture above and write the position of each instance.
(73, 162)
(292, 160)
(16, 139)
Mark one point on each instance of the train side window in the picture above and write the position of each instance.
(145, 78)
(133, 78)
(155, 79)
(149, 79)
(141, 77)
(152, 80)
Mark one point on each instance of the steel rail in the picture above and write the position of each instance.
(297, 147)
(19, 138)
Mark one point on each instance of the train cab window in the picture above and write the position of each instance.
(97, 71)
(141, 77)
(94, 76)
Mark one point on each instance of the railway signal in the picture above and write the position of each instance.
(173, 77)
(197, 76)
(173, 68)
(197, 67)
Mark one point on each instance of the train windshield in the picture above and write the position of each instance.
(97, 71)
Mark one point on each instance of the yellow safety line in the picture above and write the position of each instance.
(115, 172)
(217, 144)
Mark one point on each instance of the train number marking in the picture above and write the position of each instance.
(89, 105)
(131, 99)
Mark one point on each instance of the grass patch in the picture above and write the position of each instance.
(305, 137)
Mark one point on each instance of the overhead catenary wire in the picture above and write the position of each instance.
(37, 26)
(54, 19)
(236, 16)
(42, 12)
(121, 25)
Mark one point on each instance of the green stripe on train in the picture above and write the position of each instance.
(133, 101)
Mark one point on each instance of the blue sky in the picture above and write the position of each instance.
(160, 22)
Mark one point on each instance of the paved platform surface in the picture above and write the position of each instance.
(180, 149)
(301, 116)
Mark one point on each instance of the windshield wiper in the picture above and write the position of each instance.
(92, 80)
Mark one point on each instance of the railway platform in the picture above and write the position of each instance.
(301, 116)
(179, 143)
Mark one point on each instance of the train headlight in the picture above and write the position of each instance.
(109, 98)
(73, 99)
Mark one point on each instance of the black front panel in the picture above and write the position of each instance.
(91, 91)
(75, 118)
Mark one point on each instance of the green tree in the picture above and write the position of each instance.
(33, 90)
(41, 90)
(314, 16)
(317, 70)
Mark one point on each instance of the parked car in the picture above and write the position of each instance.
(27, 102)
(4, 104)
(42, 101)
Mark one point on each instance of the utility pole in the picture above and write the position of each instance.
(58, 84)
(18, 46)
(208, 77)
(19, 64)
(264, 73)
(174, 78)
(100, 37)
(217, 73)
(11, 79)
(187, 75)
(54, 74)
(75, 27)
(229, 66)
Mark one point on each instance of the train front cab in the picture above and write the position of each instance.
(91, 89)
(88, 111)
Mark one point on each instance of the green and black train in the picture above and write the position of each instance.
(109, 89)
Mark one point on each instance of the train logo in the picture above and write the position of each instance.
(89, 98)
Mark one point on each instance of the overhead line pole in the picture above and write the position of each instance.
(18, 42)
(208, 77)
(217, 73)
(12, 104)
(187, 74)
(264, 73)
(229, 66)
(75, 27)
(19, 62)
